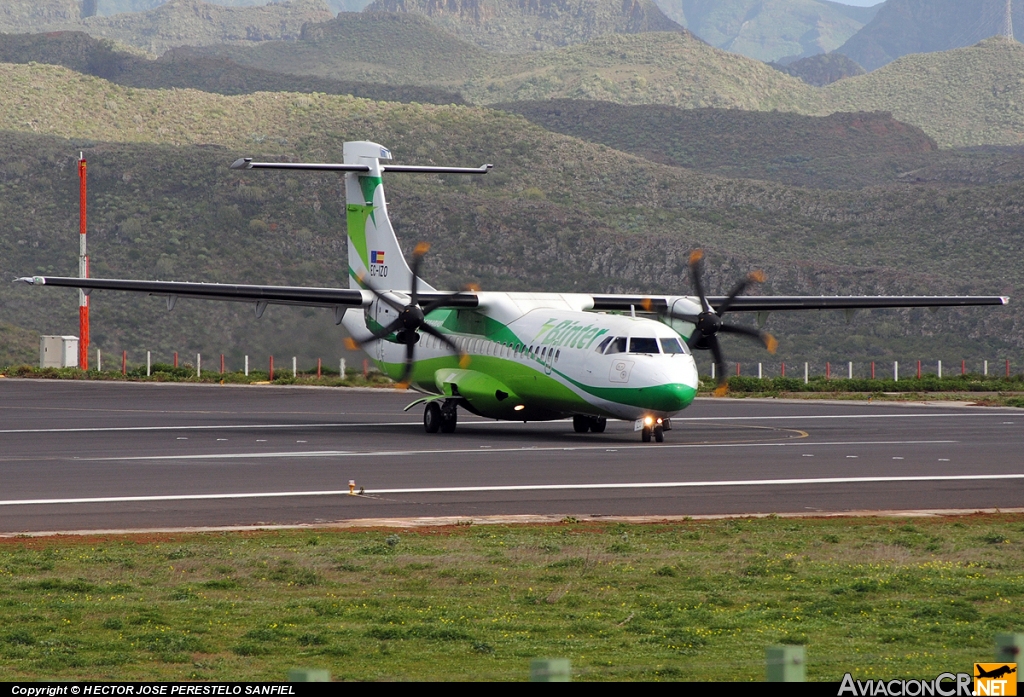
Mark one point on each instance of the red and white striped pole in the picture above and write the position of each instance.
(83, 271)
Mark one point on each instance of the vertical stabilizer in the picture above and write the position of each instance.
(373, 251)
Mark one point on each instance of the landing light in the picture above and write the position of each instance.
(520, 407)
(648, 420)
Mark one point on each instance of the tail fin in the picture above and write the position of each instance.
(373, 251)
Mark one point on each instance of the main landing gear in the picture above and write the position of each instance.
(440, 417)
(582, 424)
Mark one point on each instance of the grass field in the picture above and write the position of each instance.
(698, 600)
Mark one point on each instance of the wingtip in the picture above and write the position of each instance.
(31, 280)
(242, 163)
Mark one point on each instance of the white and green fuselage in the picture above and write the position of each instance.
(533, 356)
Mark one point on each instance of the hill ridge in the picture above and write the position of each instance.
(512, 26)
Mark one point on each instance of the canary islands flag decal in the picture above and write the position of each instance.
(376, 257)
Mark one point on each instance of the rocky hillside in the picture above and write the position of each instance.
(30, 15)
(770, 30)
(503, 25)
(967, 96)
(613, 222)
(661, 67)
(822, 69)
(102, 58)
(902, 27)
(837, 151)
(185, 23)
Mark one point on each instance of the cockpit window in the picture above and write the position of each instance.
(617, 345)
(639, 344)
(604, 344)
(671, 346)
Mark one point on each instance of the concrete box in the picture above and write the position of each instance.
(58, 352)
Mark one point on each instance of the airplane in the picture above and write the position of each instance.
(516, 356)
(996, 672)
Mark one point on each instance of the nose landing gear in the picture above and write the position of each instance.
(654, 427)
(440, 417)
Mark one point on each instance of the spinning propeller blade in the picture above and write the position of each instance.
(411, 320)
(708, 324)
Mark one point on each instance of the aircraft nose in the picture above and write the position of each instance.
(672, 397)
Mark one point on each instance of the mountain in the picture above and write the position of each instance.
(102, 58)
(557, 213)
(821, 69)
(23, 15)
(510, 26)
(660, 67)
(963, 97)
(842, 150)
(770, 30)
(967, 96)
(903, 27)
(113, 7)
(186, 22)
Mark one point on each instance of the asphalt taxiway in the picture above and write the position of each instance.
(102, 455)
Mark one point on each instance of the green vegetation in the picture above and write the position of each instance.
(821, 69)
(196, 23)
(770, 30)
(690, 600)
(968, 96)
(17, 345)
(838, 151)
(962, 97)
(103, 58)
(980, 390)
(515, 27)
(605, 220)
(186, 372)
(663, 67)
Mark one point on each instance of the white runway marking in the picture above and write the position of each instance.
(528, 487)
(115, 429)
(800, 442)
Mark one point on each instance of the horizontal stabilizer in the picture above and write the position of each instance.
(247, 163)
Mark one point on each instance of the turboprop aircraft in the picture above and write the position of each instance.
(511, 356)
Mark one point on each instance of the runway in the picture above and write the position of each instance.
(94, 455)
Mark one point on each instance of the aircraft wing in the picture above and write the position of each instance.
(271, 295)
(775, 303)
(261, 295)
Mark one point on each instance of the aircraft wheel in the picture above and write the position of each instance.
(580, 423)
(598, 425)
(645, 434)
(659, 434)
(449, 419)
(432, 419)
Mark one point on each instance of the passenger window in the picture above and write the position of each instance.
(671, 346)
(617, 345)
(643, 345)
(603, 345)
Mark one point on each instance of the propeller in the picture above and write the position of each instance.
(708, 323)
(411, 319)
